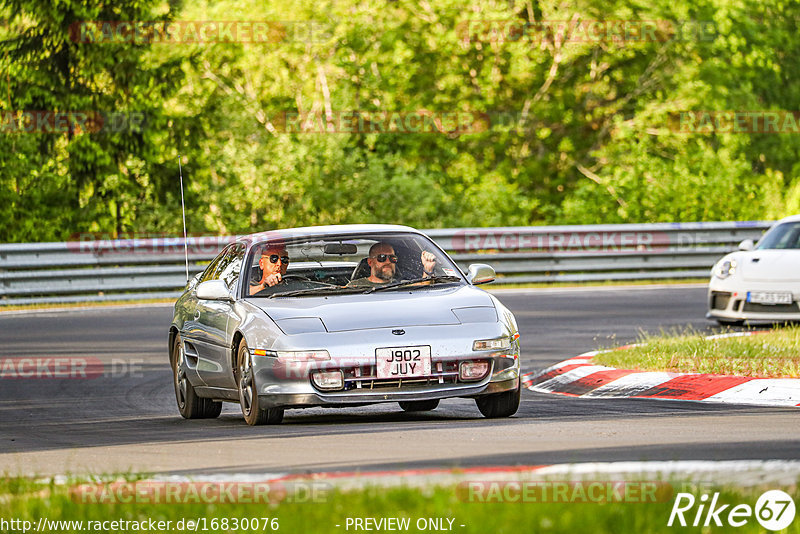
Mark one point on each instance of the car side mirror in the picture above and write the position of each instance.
(214, 290)
(480, 273)
(193, 281)
(746, 245)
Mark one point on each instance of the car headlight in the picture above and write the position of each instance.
(328, 379)
(295, 355)
(725, 268)
(500, 343)
(473, 370)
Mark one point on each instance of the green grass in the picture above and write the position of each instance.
(774, 354)
(25, 500)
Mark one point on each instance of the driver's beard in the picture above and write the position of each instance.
(386, 273)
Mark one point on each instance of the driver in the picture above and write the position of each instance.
(382, 262)
(273, 262)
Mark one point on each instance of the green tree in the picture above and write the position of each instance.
(81, 181)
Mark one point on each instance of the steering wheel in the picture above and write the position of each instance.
(296, 277)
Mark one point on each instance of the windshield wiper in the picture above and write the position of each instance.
(402, 283)
(310, 290)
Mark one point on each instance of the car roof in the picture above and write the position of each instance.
(791, 218)
(336, 229)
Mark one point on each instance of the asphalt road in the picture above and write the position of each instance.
(126, 420)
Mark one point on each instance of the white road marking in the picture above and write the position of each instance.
(568, 377)
(769, 391)
(99, 307)
(742, 473)
(631, 385)
(589, 289)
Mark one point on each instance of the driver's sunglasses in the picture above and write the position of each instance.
(383, 257)
(275, 257)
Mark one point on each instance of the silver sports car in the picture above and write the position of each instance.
(340, 316)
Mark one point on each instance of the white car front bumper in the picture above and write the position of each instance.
(727, 301)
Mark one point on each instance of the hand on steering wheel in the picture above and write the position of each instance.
(296, 277)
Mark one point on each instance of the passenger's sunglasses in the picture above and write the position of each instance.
(383, 257)
(273, 258)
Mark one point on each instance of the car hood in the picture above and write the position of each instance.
(398, 308)
(770, 266)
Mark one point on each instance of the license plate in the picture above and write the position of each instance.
(403, 362)
(769, 297)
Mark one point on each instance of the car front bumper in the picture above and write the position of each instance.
(310, 399)
(275, 390)
(727, 301)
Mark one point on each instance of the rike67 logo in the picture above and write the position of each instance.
(774, 511)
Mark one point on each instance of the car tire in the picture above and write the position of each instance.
(419, 406)
(190, 405)
(248, 392)
(503, 404)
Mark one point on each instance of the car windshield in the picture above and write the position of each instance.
(783, 236)
(347, 263)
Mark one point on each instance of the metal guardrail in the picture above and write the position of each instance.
(153, 267)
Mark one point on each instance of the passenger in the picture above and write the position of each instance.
(382, 262)
(273, 262)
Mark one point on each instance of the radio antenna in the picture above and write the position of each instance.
(183, 211)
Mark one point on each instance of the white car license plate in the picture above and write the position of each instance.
(403, 362)
(769, 297)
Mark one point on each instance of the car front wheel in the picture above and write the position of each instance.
(248, 392)
(503, 404)
(189, 404)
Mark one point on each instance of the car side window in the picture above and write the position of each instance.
(231, 265)
(794, 238)
(213, 268)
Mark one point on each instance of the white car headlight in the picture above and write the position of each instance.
(473, 370)
(328, 379)
(725, 268)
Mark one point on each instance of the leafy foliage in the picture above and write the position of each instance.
(585, 133)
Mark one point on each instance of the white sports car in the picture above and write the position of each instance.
(759, 283)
